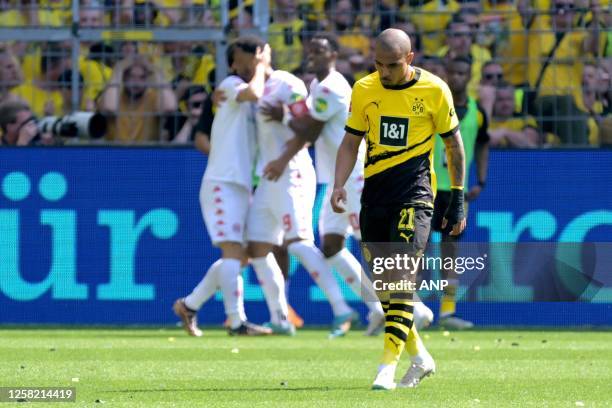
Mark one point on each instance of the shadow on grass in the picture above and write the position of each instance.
(236, 389)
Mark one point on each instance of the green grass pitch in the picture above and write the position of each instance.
(164, 367)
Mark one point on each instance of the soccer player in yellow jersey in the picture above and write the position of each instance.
(399, 109)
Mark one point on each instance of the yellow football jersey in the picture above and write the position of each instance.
(399, 123)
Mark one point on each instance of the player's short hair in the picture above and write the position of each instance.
(248, 44)
(331, 38)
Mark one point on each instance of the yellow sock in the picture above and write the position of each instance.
(413, 343)
(447, 306)
(398, 323)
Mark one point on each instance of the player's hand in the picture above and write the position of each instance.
(457, 227)
(474, 193)
(218, 97)
(338, 200)
(274, 169)
(264, 55)
(454, 215)
(273, 112)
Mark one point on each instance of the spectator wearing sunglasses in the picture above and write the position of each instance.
(181, 126)
(492, 77)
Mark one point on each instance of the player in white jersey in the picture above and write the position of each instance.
(282, 210)
(328, 106)
(226, 188)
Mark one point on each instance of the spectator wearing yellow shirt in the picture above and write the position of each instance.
(376, 15)
(460, 43)
(508, 128)
(431, 16)
(16, 14)
(150, 13)
(65, 89)
(241, 18)
(95, 59)
(42, 93)
(595, 87)
(10, 76)
(343, 22)
(285, 35)
(507, 23)
(492, 76)
(607, 22)
(136, 101)
(61, 8)
(555, 72)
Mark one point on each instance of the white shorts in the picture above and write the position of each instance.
(283, 209)
(347, 222)
(224, 207)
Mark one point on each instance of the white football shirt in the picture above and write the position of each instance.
(281, 87)
(233, 142)
(329, 102)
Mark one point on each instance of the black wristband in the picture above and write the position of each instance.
(454, 213)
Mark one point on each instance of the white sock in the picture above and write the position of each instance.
(205, 289)
(230, 282)
(240, 300)
(272, 282)
(349, 267)
(314, 262)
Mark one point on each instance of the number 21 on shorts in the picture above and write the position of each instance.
(405, 226)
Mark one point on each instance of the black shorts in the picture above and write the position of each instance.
(397, 223)
(440, 205)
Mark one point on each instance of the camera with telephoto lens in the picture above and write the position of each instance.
(78, 124)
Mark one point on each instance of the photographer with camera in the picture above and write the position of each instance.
(19, 127)
(136, 100)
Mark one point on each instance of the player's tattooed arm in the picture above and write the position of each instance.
(455, 156)
(454, 215)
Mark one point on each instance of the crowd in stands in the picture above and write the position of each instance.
(540, 69)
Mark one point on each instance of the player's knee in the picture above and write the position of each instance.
(259, 249)
(233, 250)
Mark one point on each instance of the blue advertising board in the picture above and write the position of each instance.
(103, 235)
